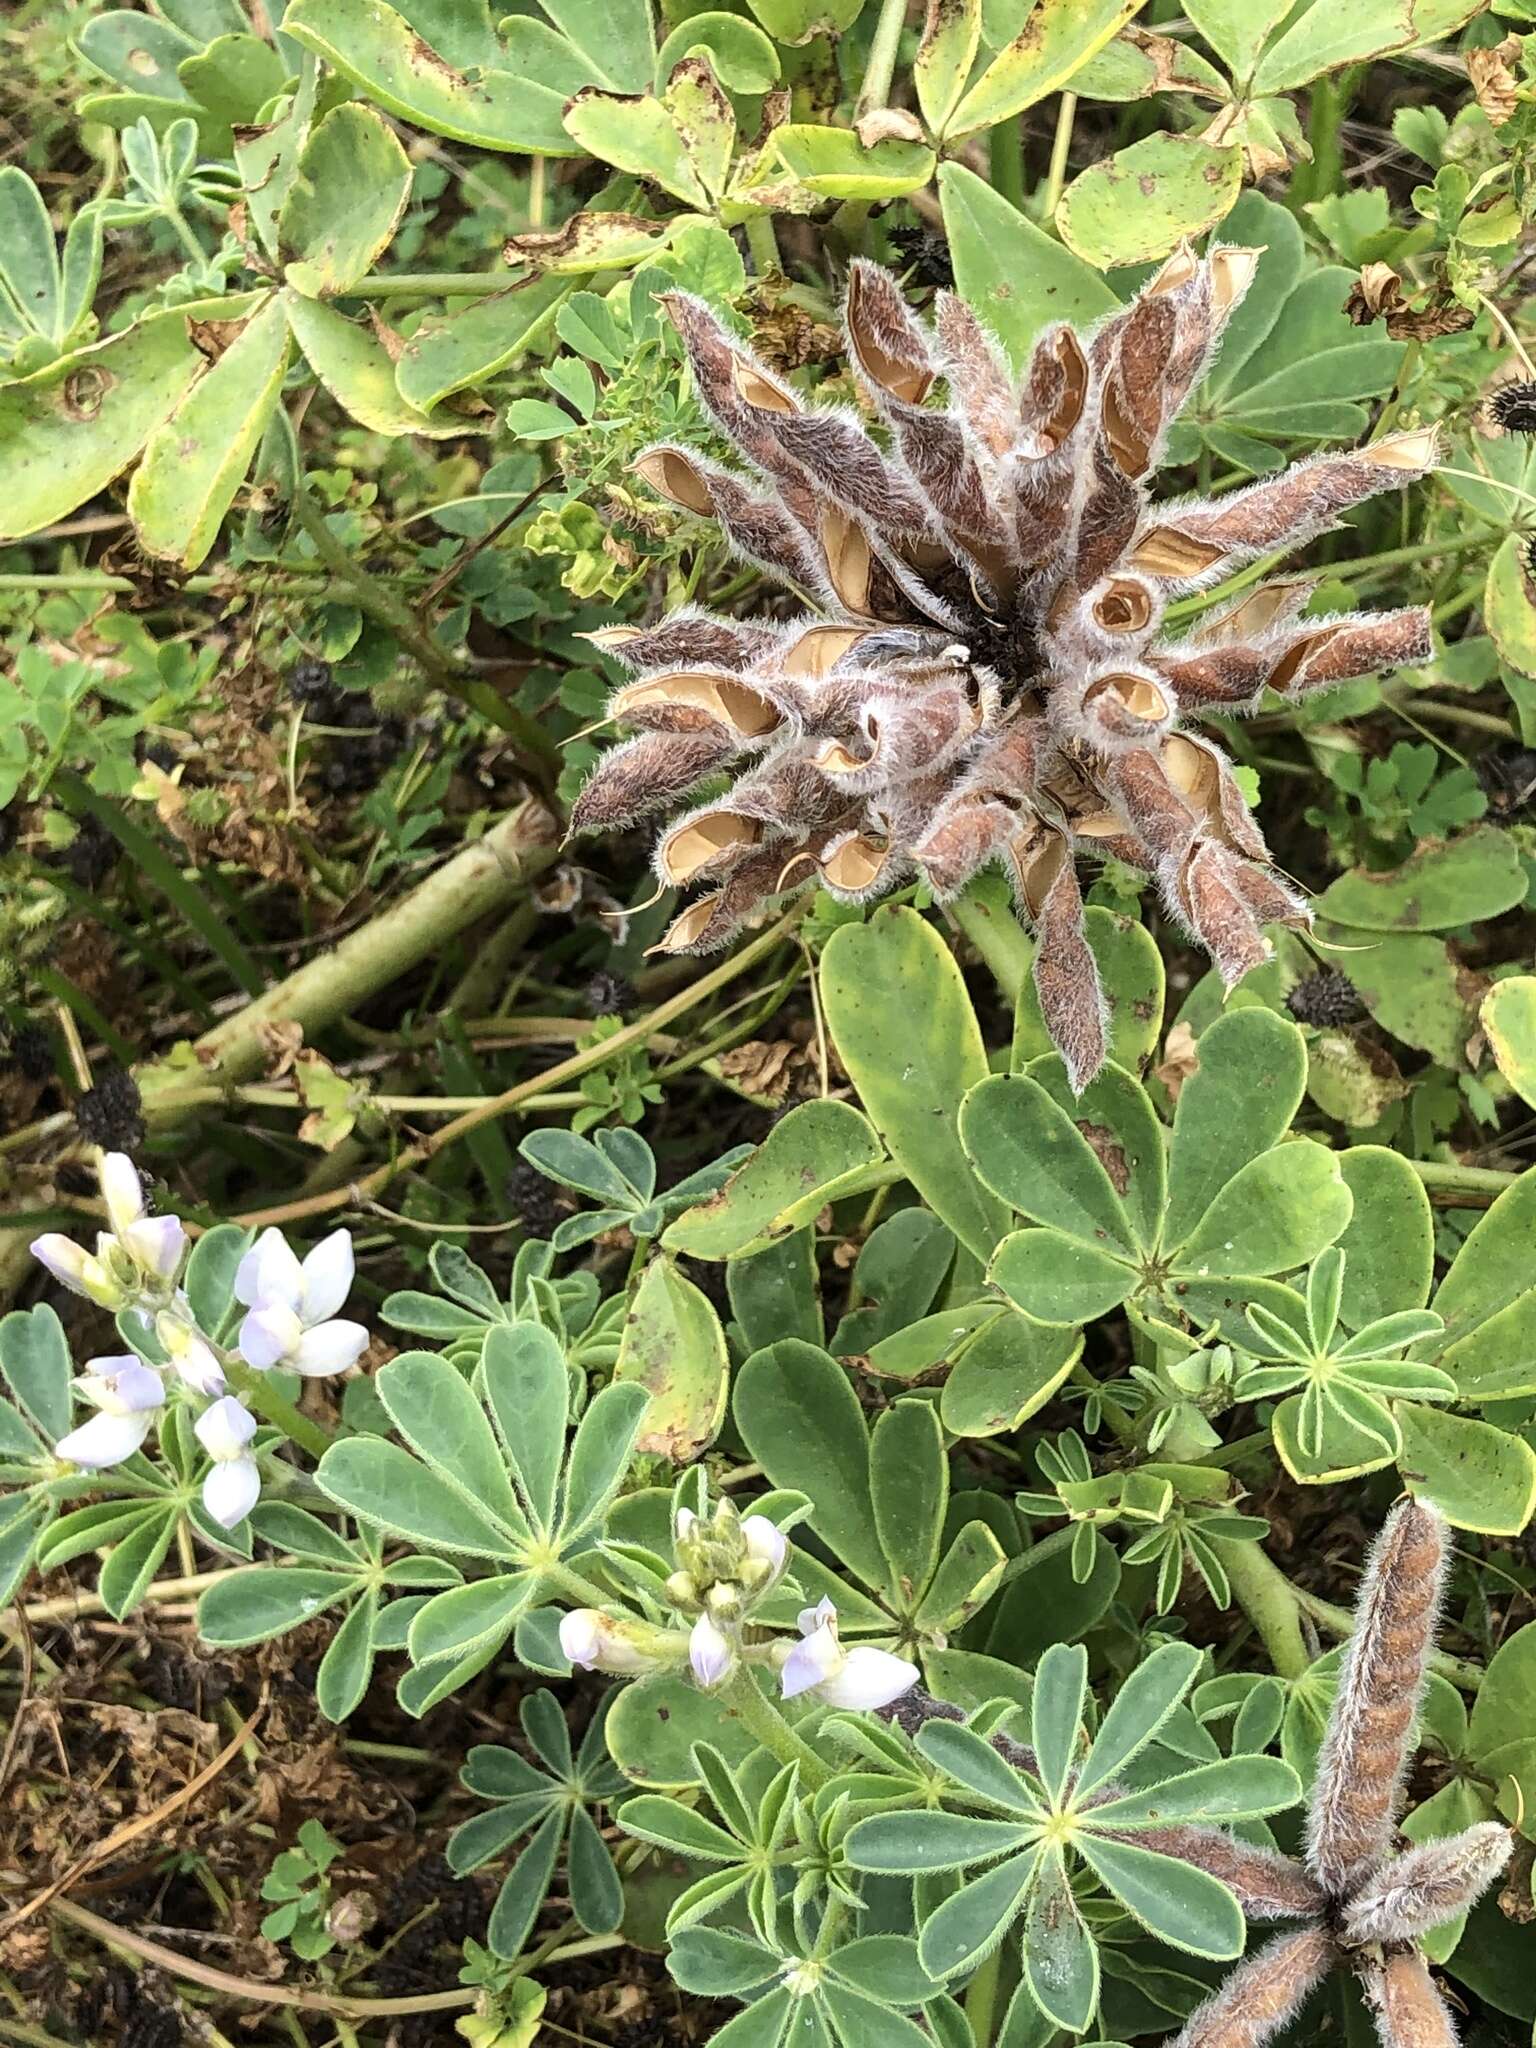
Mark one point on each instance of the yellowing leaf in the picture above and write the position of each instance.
(194, 463)
(1057, 37)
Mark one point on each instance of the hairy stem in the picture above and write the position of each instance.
(763, 1721)
(1269, 1600)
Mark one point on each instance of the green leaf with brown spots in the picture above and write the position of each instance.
(1138, 204)
(674, 1347)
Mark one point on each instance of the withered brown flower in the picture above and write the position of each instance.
(1364, 1907)
(986, 679)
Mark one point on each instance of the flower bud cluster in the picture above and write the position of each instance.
(726, 1564)
(135, 1271)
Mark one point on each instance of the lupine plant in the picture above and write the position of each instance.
(767, 780)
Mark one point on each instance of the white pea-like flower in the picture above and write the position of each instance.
(766, 1545)
(192, 1357)
(233, 1485)
(860, 1678)
(710, 1652)
(127, 1396)
(292, 1321)
(593, 1642)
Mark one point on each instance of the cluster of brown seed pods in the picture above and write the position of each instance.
(981, 674)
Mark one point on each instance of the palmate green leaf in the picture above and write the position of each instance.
(1005, 1374)
(1056, 1713)
(1237, 29)
(1325, 38)
(1477, 875)
(1138, 1710)
(67, 430)
(1234, 1788)
(597, 1896)
(347, 1666)
(384, 1485)
(251, 1606)
(462, 1620)
(967, 1576)
(1061, 1963)
(951, 38)
(484, 1835)
(430, 1404)
(899, 1270)
(677, 1828)
(1014, 275)
(600, 1453)
(135, 1558)
(1181, 1905)
(378, 50)
(528, 1391)
(468, 344)
(1487, 1301)
(35, 1360)
(353, 365)
(711, 1963)
(1059, 1279)
(1352, 1434)
(884, 1967)
(897, 1008)
(522, 1894)
(909, 1492)
(859, 2022)
(1388, 1243)
(1129, 1139)
(834, 163)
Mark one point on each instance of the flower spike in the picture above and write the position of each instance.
(986, 683)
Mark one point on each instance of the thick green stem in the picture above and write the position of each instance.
(430, 284)
(1056, 176)
(261, 1390)
(479, 880)
(1436, 1173)
(763, 244)
(1005, 159)
(986, 916)
(1269, 1600)
(763, 1721)
(881, 67)
(981, 1998)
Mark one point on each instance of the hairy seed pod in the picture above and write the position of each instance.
(1365, 1751)
(1428, 1884)
(1409, 2011)
(1261, 1994)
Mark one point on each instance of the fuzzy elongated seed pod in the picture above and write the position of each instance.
(986, 683)
(1427, 1885)
(1365, 1752)
(1259, 1997)
(1410, 2013)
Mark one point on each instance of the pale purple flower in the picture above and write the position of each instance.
(154, 1243)
(766, 1545)
(127, 1396)
(710, 1652)
(593, 1642)
(230, 1491)
(292, 1321)
(860, 1678)
(150, 1247)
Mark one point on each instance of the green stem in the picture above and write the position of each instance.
(763, 244)
(1005, 159)
(261, 1390)
(430, 284)
(985, 915)
(763, 1721)
(981, 1998)
(1339, 1621)
(1061, 145)
(880, 69)
(1390, 558)
(1269, 1600)
(478, 880)
(1471, 1179)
